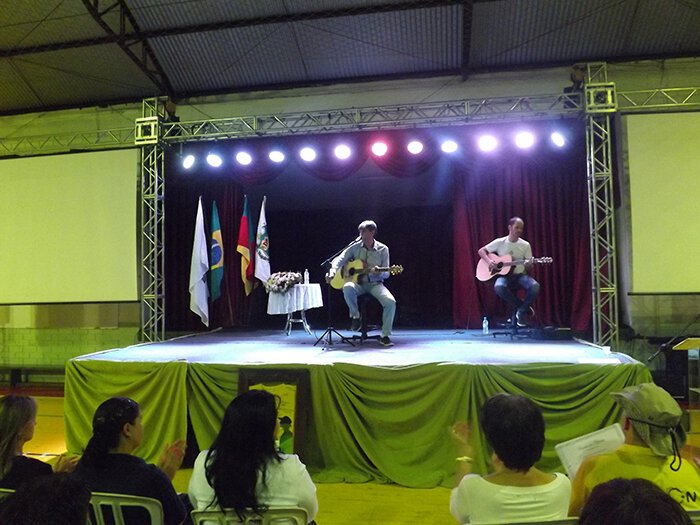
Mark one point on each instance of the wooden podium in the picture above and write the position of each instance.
(677, 368)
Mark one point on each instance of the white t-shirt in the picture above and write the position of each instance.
(518, 250)
(288, 485)
(476, 500)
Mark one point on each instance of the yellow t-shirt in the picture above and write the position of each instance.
(632, 461)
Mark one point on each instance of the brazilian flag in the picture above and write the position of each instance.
(216, 264)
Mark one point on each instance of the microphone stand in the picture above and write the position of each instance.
(327, 335)
(667, 345)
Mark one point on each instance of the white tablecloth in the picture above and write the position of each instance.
(299, 297)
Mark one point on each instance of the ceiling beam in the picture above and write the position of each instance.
(136, 46)
(467, 18)
(135, 34)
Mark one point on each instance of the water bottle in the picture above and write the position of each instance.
(485, 326)
(306, 276)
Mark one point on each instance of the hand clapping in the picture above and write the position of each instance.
(172, 457)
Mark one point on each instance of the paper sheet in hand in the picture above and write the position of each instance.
(573, 452)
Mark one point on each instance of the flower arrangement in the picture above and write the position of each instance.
(280, 282)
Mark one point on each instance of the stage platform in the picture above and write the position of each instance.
(412, 347)
(364, 412)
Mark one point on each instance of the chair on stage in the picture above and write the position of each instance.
(511, 328)
(108, 508)
(272, 516)
(363, 303)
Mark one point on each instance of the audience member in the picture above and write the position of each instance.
(653, 439)
(516, 490)
(17, 422)
(47, 500)
(245, 446)
(108, 465)
(631, 502)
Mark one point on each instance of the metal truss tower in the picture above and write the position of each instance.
(600, 103)
(152, 278)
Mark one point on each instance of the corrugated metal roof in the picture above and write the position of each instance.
(54, 53)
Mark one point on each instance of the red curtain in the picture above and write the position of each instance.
(550, 193)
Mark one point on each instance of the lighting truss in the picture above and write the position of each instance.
(424, 115)
(659, 99)
(62, 142)
(600, 103)
(152, 275)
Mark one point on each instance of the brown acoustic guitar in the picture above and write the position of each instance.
(504, 264)
(352, 271)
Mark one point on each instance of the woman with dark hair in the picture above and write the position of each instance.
(47, 500)
(515, 490)
(107, 465)
(244, 470)
(17, 422)
(632, 502)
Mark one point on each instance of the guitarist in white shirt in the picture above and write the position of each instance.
(506, 286)
(374, 255)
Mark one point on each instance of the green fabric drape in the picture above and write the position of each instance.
(366, 423)
(159, 388)
(391, 424)
(211, 388)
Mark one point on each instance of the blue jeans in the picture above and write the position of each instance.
(380, 293)
(506, 288)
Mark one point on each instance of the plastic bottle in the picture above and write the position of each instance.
(306, 276)
(485, 326)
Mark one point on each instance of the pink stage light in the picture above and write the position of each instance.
(379, 149)
(342, 151)
(524, 140)
(414, 147)
(307, 154)
(487, 143)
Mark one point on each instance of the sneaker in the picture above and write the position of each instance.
(385, 341)
(521, 317)
(356, 325)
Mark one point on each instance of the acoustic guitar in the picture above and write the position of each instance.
(504, 264)
(352, 271)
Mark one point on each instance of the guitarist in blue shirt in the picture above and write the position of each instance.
(506, 286)
(370, 259)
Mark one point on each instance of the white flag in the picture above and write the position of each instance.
(262, 250)
(199, 292)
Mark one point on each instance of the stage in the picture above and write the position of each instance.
(364, 412)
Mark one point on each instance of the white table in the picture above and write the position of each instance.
(298, 298)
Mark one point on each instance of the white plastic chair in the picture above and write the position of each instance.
(272, 516)
(561, 521)
(116, 503)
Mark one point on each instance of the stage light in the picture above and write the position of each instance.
(449, 146)
(243, 158)
(214, 160)
(188, 161)
(307, 154)
(342, 151)
(379, 149)
(414, 147)
(524, 140)
(487, 143)
(558, 139)
(276, 156)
